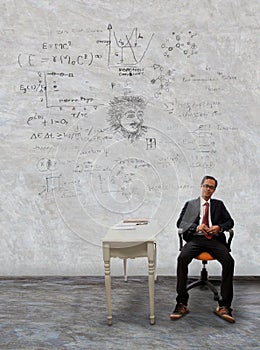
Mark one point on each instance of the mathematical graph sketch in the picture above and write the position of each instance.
(59, 92)
(52, 183)
(127, 50)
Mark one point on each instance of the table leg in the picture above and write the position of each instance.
(125, 273)
(108, 292)
(151, 256)
(106, 257)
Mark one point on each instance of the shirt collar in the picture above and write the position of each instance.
(202, 201)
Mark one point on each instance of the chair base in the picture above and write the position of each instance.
(203, 281)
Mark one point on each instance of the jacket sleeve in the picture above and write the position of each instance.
(226, 220)
(188, 220)
(223, 219)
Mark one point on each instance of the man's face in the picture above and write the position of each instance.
(132, 119)
(207, 189)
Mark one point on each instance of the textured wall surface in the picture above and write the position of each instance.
(117, 109)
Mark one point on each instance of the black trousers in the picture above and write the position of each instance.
(220, 252)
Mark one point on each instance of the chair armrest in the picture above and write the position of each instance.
(180, 232)
(231, 235)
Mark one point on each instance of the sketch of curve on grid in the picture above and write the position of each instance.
(125, 51)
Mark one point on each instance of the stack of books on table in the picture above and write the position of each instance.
(136, 221)
(130, 224)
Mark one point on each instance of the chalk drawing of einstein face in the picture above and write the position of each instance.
(126, 116)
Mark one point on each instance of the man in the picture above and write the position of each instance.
(203, 229)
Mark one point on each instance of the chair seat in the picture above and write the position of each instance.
(204, 256)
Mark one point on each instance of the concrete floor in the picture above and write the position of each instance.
(70, 313)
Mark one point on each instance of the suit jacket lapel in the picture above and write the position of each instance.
(197, 205)
(212, 209)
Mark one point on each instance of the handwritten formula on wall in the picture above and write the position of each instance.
(111, 123)
(121, 116)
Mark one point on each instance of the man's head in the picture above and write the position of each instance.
(208, 187)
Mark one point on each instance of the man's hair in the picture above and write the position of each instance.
(207, 177)
(118, 107)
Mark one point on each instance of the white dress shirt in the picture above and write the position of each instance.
(202, 211)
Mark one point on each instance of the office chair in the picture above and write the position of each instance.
(204, 257)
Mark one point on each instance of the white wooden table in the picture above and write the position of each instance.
(132, 243)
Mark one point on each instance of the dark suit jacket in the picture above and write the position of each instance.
(190, 217)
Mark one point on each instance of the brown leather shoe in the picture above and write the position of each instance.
(225, 313)
(179, 311)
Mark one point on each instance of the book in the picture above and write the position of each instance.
(124, 226)
(139, 221)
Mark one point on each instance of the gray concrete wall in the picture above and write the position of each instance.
(74, 160)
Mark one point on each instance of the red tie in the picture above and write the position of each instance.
(206, 219)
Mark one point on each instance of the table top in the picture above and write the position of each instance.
(132, 232)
